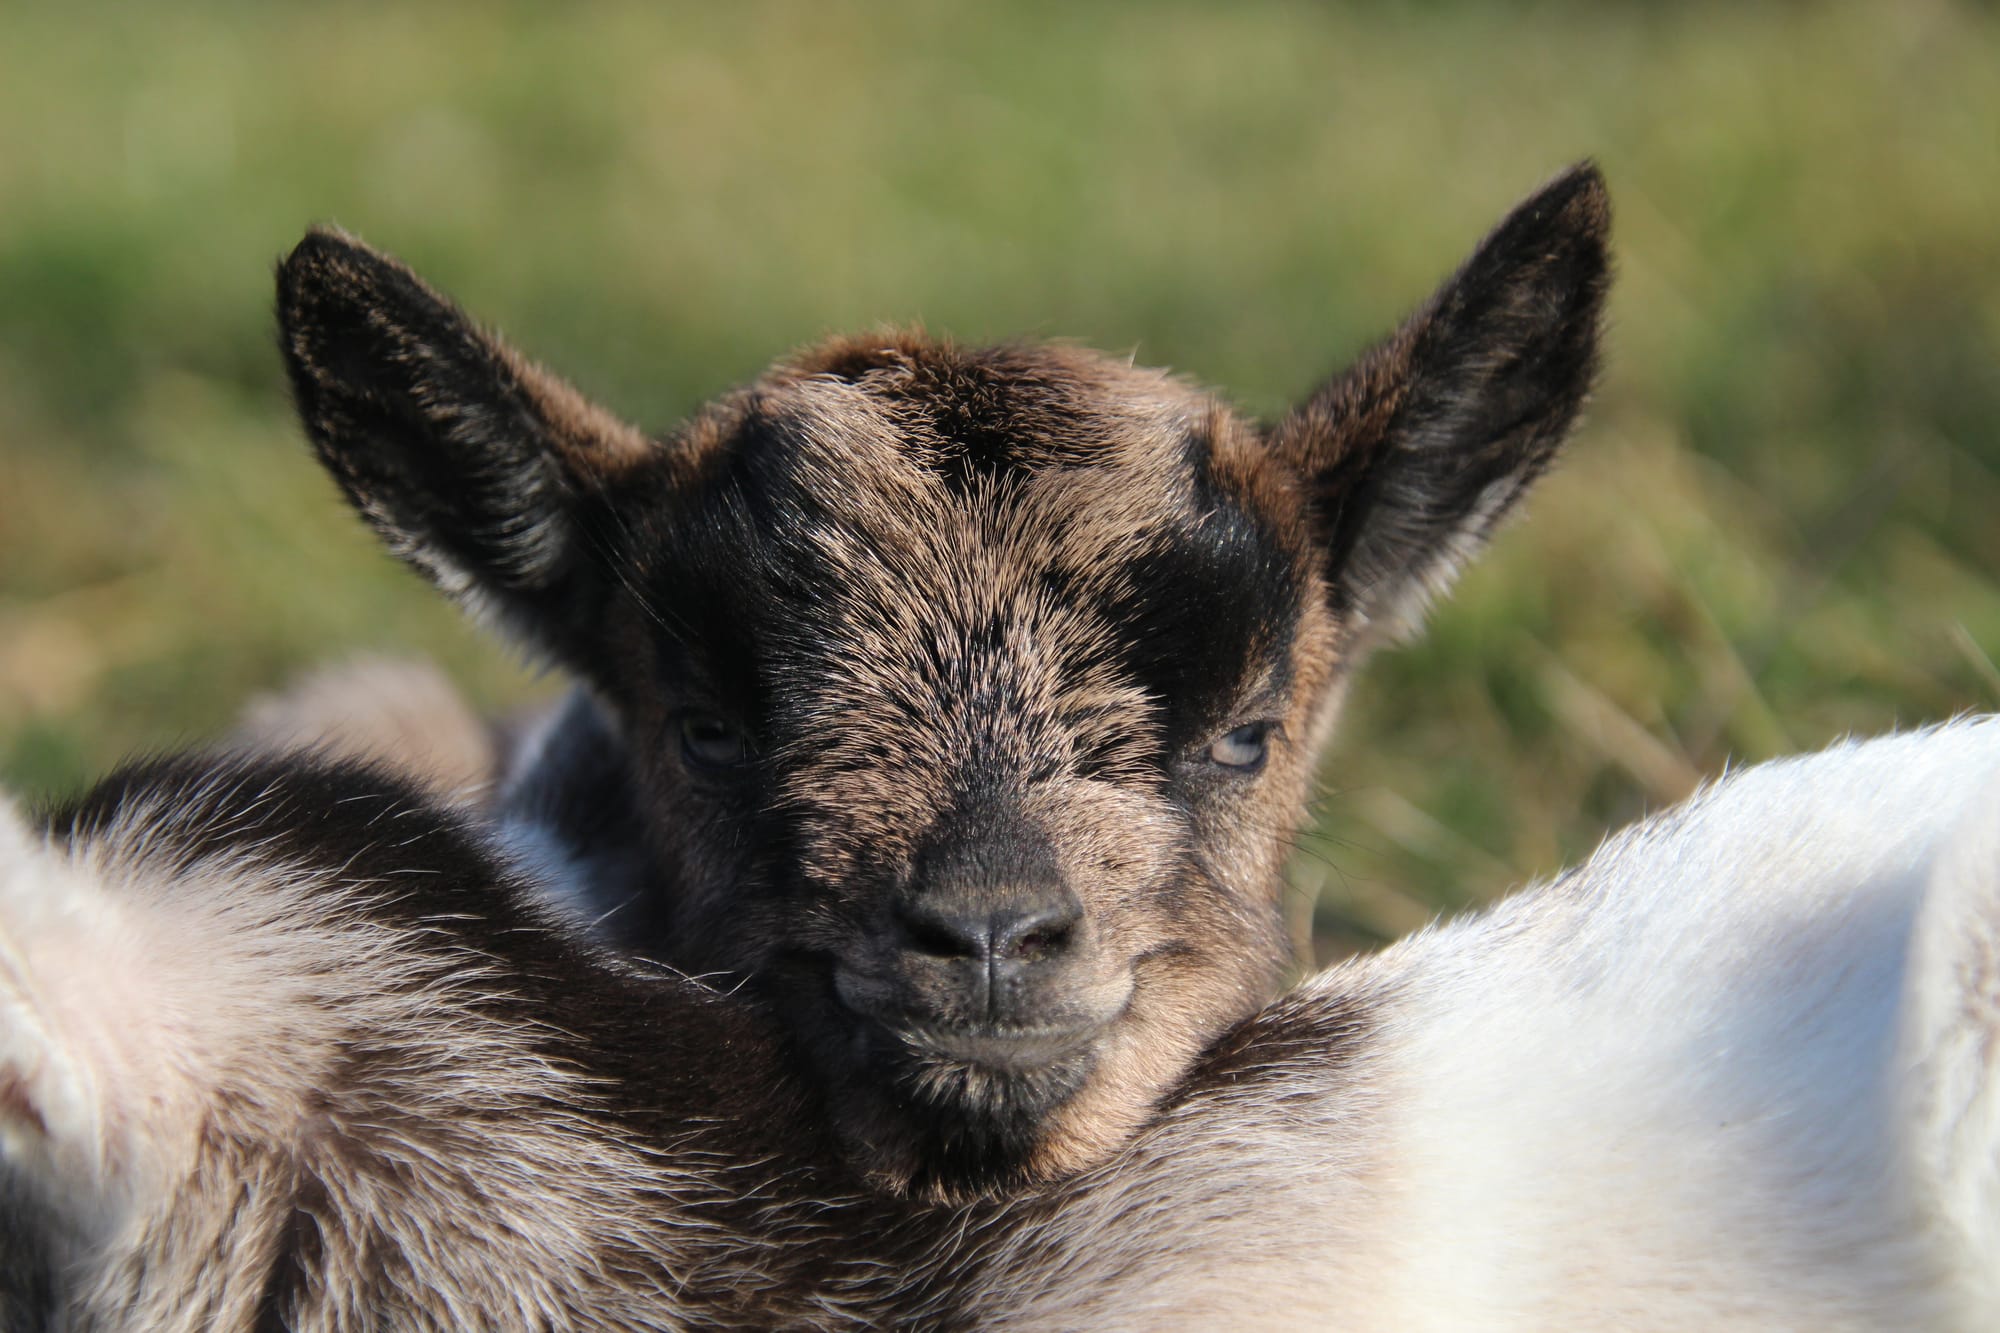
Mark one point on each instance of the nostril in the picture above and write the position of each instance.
(943, 934)
(1035, 936)
(1007, 934)
(1037, 945)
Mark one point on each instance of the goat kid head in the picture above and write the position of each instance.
(975, 694)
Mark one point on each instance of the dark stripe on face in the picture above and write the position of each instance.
(709, 562)
(1203, 612)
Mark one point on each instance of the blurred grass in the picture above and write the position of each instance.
(1778, 525)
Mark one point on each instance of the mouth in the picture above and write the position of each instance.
(990, 1047)
(997, 1050)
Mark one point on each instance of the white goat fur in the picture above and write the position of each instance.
(1737, 1070)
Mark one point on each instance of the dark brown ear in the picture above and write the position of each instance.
(473, 464)
(1414, 454)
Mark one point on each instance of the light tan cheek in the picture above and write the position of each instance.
(1112, 842)
(1322, 685)
(1178, 1012)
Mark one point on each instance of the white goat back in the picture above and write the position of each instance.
(1950, 1055)
(1676, 1069)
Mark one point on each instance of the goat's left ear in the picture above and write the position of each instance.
(1413, 455)
(472, 463)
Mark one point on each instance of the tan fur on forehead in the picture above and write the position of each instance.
(1105, 451)
(903, 355)
(1060, 404)
(1114, 466)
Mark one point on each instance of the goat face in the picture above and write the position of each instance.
(973, 695)
(976, 697)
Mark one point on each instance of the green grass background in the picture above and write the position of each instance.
(1778, 525)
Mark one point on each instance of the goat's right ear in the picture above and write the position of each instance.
(473, 464)
(1413, 455)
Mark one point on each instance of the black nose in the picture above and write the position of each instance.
(1030, 925)
(985, 922)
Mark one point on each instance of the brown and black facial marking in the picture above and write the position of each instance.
(919, 664)
(1007, 667)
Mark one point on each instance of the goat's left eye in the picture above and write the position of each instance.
(1245, 748)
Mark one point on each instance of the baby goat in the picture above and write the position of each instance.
(964, 701)
(282, 1046)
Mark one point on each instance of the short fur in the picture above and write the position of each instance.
(282, 1045)
(978, 621)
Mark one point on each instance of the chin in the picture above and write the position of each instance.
(922, 1118)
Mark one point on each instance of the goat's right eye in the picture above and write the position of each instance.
(711, 742)
(1243, 748)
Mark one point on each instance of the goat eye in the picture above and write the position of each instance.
(1245, 748)
(708, 741)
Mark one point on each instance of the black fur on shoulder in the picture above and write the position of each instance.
(419, 862)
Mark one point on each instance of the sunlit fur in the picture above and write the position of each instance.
(979, 617)
(284, 1047)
